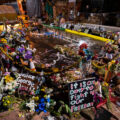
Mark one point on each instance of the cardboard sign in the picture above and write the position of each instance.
(27, 81)
(81, 94)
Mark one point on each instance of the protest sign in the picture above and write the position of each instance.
(81, 94)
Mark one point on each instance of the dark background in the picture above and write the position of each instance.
(101, 5)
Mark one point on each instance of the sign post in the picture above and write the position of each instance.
(81, 94)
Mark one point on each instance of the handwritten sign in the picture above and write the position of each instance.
(27, 81)
(81, 94)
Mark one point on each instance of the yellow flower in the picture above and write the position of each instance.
(113, 61)
(5, 104)
(8, 78)
(8, 102)
(105, 84)
(8, 96)
(3, 40)
(20, 115)
(55, 69)
(45, 96)
(43, 90)
(42, 66)
(36, 98)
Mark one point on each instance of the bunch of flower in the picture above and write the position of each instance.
(106, 92)
(11, 86)
(8, 101)
(10, 81)
(3, 40)
(41, 106)
(8, 78)
(45, 102)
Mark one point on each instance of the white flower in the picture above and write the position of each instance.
(31, 105)
(11, 85)
(51, 118)
(47, 104)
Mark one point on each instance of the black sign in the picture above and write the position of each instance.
(81, 94)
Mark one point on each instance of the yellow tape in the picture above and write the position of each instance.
(6, 53)
(97, 66)
(88, 35)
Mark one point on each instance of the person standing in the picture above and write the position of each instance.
(24, 7)
(87, 11)
(34, 8)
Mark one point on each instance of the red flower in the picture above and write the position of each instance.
(82, 46)
(8, 47)
(12, 49)
(116, 62)
(53, 77)
(95, 57)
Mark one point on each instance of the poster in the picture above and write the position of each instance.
(81, 94)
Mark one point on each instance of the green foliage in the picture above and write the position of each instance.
(106, 96)
(56, 113)
(8, 101)
(1, 85)
(112, 68)
(60, 109)
(22, 106)
(52, 104)
(64, 107)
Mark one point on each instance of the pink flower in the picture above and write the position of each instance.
(7, 73)
(47, 65)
